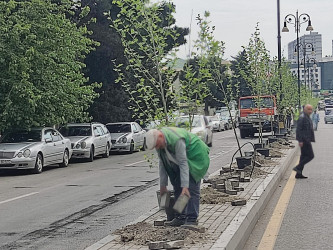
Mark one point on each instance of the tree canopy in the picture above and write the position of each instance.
(41, 63)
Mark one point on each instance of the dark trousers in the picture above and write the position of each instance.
(191, 211)
(306, 155)
(288, 123)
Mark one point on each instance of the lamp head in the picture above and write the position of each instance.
(309, 28)
(285, 28)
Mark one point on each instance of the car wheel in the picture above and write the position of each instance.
(92, 152)
(144, 146)
(38, 165)
(107, 151)
(131, 147)
(219, 128)
(65, 159)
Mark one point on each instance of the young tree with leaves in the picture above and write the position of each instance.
(149, 39)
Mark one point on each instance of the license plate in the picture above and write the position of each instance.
(5, 162)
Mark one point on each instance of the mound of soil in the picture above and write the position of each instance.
(209, 195)
(142, 233)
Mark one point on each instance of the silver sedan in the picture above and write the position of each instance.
(127, 136)
(88, 139)
(34, 149)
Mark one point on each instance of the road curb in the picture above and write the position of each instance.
(240, 228)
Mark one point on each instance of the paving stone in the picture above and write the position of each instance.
(234, 183)
(156, 244)
(238, 202)
(220, 186)
(159, 223)
(247, 179)
(231, 192)
(239, 189)
(174, 244)
(242, 176)
(195, 228)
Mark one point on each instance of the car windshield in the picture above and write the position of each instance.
(119, 128)
(76, 131)
(266, 102)
(183, 122)
(22, 136)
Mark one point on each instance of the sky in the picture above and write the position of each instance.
(235, 21)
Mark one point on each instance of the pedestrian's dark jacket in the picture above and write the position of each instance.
(304, 130)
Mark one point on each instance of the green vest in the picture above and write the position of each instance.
(197, 152)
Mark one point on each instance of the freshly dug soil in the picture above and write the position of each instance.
(266, 162)
(142, 233)
(278, 145)
(209, 195)
(276, 153)
(257, 172)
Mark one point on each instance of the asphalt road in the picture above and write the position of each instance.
(74, 207)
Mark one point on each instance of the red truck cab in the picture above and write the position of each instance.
(255, 111)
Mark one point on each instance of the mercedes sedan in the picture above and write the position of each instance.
(127, 136)
(34, 149)
(88, 139)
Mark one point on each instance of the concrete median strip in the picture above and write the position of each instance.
(228, 226)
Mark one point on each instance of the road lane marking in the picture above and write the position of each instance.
(272, 230)
(134, 163)
(18, 197)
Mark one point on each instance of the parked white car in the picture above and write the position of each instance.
(34, 149)
(200, 126)
(218, 123)
(127, 136)
(88, 139)
(328, 116)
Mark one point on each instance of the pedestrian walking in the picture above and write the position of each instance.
(184, 158)
(289, 115)
(304, 136)
(315, 119)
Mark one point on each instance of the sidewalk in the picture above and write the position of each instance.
(227, 226)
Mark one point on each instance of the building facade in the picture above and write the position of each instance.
(309, 40)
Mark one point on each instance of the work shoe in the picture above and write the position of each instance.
(300, 176)
(174, 223)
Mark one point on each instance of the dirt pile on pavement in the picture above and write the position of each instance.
(266, 162)
(278, 145)
(275, 153)
(209, 195)
(142, 233)
(257, 172)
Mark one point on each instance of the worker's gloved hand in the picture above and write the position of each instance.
(186, 192)
(163, 190)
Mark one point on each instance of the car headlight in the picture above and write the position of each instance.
(124, 139)
(20, 154)
(83, 144)
(26, 153)
(78, 146)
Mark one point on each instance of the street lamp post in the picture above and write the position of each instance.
(309, 60)
(304, 46)
(297, 20)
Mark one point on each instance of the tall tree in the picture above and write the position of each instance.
(114, 102)
(149, 36)
(41, 63)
